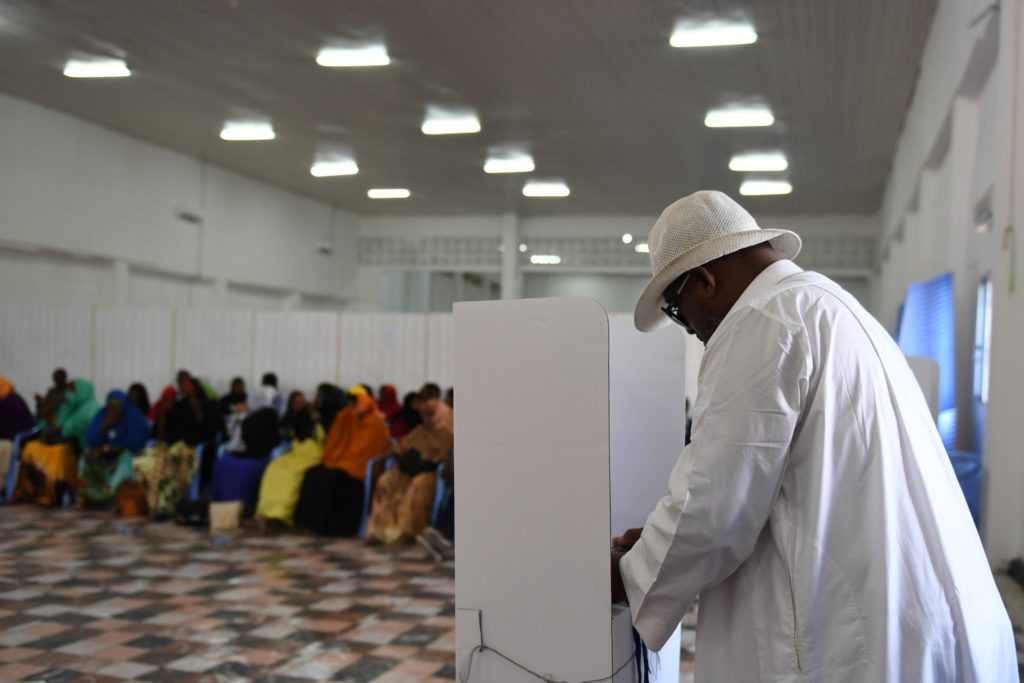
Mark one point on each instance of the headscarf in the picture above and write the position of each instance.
(143, 404)
(388, 401)
(358, 390)
(167, 398)
(231, 399)
(15, 415)
(75, 414)
(435, 438)
(358, 434)
(332, 399)
(129, 434)
(259, 432)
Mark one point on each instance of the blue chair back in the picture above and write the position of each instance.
(280, 450)
(384, 463)
(14, 467)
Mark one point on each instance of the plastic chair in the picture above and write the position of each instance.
(236, 478)
(439, 494)
(374, 468)
(14, 466)
(280, 450)
(197, 478)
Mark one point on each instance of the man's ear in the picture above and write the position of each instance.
(705, 286)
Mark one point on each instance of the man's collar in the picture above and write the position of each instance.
(769, 277)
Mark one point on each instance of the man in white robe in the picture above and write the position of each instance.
(815, 511)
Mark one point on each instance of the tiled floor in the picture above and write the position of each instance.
(89, 597)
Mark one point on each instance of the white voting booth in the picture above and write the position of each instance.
(568, 427)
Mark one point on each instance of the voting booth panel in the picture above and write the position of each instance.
(534, 437)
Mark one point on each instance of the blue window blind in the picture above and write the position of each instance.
(926, 329)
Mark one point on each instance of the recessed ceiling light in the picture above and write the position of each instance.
(522, 248)
(759, 161)
(545, 259)
(247, 130)
(739, 117)
(712, 33)
(508, 161)
(96, 68)
(757, 188)
(627, 239)
(334, 166)
(354, 55)
(444, 121)
(545, 188)
(388, 193)
(642, 248)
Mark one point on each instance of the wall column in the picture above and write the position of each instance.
(511, 283)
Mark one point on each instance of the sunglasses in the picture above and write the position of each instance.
(671, 309)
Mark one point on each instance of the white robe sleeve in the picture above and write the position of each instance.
(753, 386)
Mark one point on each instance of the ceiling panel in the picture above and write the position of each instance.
(592, 86)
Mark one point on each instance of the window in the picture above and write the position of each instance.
(983, 340)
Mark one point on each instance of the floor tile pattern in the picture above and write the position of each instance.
(90, 597)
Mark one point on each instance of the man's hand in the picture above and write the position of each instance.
(627, 540)
(618, 588)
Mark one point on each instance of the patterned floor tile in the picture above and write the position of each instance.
(86, 596)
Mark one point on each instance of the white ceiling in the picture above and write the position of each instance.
(591, 85)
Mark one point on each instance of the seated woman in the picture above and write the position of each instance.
(165, 470)
(49, 465)
(15, 418)
(331, 498)
(388, 402)
(297, 407)
(237, 475)
(234, 397)
(404, 496)
(118, 432)
(282, 480)
(46, 406)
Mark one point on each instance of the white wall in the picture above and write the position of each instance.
(961, 143)
(71, 189)
(617, 293)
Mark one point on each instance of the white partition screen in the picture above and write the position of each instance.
(384, 347)
(301, 348)
(533, 513)
(34, 340)
(216, 345)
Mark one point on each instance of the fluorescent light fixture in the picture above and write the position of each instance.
(522, 248)
(247, 130)
(388, 193)
(329, 167)
(759, 161)
(739, 117)
(545, 259)
(758, 188)
(627, 239)
(443, 121)
(96, 68)
(545, 188)
(712, 34)
(508, 162)
(642, 248)
(354, 56)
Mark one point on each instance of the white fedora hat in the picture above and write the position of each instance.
(693, 231)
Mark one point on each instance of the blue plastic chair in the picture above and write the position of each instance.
(385, 462)
(439, 494)
(236, 478)
(197, 478)
(281, 449)
(14, 467)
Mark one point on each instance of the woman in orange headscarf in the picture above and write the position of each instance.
(331, 499)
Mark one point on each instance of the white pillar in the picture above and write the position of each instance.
(511, 285)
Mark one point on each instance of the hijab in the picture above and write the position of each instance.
(388, 401)
(75, 414)
(129, 434)
(259, 432)
(358, 434)
(167, 398)
(435, 438)
(332, 400)
(15, 415)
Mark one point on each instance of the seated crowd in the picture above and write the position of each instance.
(292, 462)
